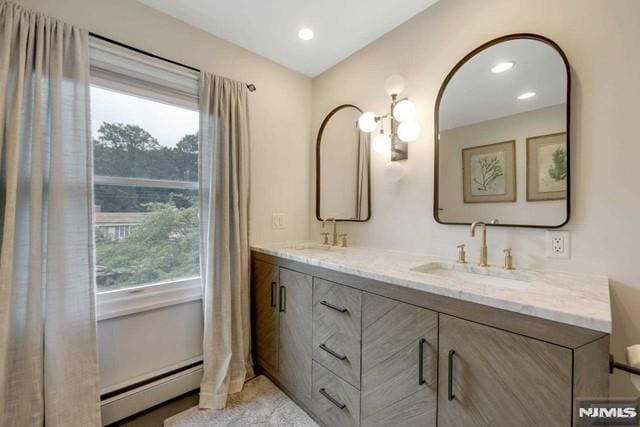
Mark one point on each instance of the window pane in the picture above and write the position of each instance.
(145, 234)
(142, 138)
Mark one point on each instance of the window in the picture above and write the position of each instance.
(145, 143)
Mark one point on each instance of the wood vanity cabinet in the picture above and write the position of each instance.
(282, 326)
(295, 333)
(395, 356)
(265, 278)
(399, 363)
(497, 378)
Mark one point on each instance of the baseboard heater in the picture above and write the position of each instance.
(141, 395)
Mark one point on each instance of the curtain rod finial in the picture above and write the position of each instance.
(251, 87)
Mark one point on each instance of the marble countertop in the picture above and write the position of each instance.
(573, 299)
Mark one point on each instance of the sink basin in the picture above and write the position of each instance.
(315, 247)
(469, 273)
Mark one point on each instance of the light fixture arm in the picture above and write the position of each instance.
(399, 149)
(402, 127)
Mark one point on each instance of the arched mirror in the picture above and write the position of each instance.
(502, 136)
(342, 167)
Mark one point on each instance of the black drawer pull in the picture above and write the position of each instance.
(334, 307)
(274, 285)
(421, 380)
(333, 353)
(283, 299)
(331, 399)
(450, 395)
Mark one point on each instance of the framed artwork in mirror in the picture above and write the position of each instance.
(547, 167)
(489, 173)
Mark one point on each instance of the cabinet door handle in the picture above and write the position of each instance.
(450, 395)
(283, 299)
(421, 380)
(334, 307)
(331, 399)
(333, 353)
(274, 285)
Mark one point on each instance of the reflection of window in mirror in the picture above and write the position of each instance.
(502, 150)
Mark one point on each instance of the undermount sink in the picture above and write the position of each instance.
(491, 276)
(315, 247)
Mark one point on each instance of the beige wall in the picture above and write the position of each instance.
(517, 127)
(600, 38)
(280, 109)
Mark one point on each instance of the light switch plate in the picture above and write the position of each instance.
(558, 244)
(277, 221)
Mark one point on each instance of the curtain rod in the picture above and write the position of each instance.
(250, 86)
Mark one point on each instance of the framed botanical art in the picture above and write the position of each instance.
(489, 173)
(547, 167)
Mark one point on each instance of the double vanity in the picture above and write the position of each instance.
(363, 336)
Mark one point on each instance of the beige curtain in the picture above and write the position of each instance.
(362, 178)
(224, 215)
(48, 362)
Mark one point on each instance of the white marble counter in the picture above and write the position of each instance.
(567, 298)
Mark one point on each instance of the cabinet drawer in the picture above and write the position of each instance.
(335, 402)
(336, 329)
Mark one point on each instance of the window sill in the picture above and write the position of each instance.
(124, 302)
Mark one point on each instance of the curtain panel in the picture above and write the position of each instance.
(48, 360)
(224, 215)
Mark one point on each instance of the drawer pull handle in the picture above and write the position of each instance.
(450, 395)
(333, 353)
(274, 286)
(421, 380)
(334, 307)
(331, 399)
(283, 299)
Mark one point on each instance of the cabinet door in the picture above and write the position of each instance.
(498, 378)
(399, 363)
(295, 302)
(265, 306)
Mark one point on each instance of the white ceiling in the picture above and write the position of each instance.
(475, 94)
(270, 27)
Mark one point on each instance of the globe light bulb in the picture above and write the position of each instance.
(404, 110)
(394, 85)
(367, 122)
(409, 130)
(382, 144)
(393, 171)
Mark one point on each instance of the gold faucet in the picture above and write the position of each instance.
(483, 248)
(335, 230)
(484, 251)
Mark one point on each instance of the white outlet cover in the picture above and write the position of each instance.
(558, 244)
(277, 221)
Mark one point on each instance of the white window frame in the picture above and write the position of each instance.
(123, 302)
(108, 60)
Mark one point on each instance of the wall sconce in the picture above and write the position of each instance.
(403, 127)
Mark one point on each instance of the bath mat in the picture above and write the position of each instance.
(260, 403)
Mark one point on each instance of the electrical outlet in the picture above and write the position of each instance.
(558, 244)
(277, 221)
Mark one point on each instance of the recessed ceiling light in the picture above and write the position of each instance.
(502, 67)
(305, 34)
(527, 95)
